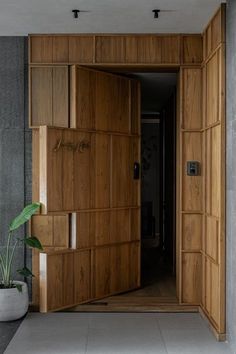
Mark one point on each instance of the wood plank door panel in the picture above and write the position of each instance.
(87, 170)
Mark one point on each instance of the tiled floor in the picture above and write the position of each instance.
(110, 333)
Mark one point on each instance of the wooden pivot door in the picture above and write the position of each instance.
(87, 170)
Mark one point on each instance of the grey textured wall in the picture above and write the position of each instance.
(231, 170)
(15, 137)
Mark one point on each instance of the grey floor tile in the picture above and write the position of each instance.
(123, 320)
(193, 341)
(53, 334)
(180, 321)
(123, 341)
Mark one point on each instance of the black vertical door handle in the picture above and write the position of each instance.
(136, 170)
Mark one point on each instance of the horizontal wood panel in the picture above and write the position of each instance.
(143, 49)
(91, 229)
(52, 231)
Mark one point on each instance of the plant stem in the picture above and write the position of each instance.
(7, 275)
(10, 261)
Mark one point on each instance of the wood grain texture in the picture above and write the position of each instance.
(81, 49)
(41, 49)
(192, 278)
(49, 96)
(192, 232)
(192, 98)
(60, 49)
(213, 303)
(110, 49)
(69, 273)
(192, 49)
(192, 185)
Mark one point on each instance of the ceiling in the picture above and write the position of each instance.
(156, 89)
(21, 17)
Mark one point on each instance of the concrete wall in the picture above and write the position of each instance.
(231, 170)
(15, 138)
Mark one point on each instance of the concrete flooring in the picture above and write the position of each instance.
(110, 333)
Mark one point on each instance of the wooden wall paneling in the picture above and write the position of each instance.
(212, 238)
(51, 162)
(83, 179)
(212, 90)
(112, 115)
(60, 49)
(131, 49)
(214, 230)
(102, 171)
(35, 165)
(82, 276)
(192, 185)
(121, 177)
(135, 224)
(81, 49)
(135, 107)
(170, 49)
(56, 273)
(192, 49)
(135, 264)
(60, 97)
(149, 49)
(102, 272)
(192, 98)
(120, 226)
(216, 171)
(49, 96)
(192, 232)
(109, 49)
(192, 278)
(83, 97)
(82, 230)
(41, 96)
(103, 230)
(119, 263)
(41, 49)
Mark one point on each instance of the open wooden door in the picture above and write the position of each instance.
(91, 171)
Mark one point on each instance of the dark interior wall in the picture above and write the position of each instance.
(15, 138)
(231, 170)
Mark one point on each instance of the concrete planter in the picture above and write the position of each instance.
(13, 304)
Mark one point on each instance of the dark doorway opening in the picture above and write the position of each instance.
(158, 135)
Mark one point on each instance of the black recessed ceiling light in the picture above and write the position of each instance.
(156, 13)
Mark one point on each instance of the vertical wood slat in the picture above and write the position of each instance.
(49, 95)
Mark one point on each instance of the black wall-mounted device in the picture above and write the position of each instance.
(193, 168)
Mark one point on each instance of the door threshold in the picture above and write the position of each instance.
(134, 304)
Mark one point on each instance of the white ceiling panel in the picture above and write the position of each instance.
(21, 17)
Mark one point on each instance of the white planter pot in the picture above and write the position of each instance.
(13, 304)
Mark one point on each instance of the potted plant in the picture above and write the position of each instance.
(14, 299)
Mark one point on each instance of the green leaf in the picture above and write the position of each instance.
(24, 216)
(33, 242)
(25, 272)
(19, 287)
